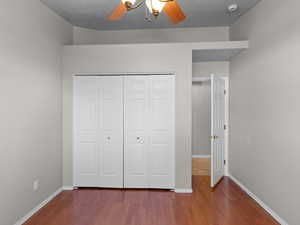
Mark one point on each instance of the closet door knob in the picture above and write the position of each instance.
(138, 138)
(108, 138)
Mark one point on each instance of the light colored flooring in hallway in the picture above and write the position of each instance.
(227, 204)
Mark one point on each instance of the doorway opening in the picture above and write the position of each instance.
(210, 128)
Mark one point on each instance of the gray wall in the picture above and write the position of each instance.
(175, 58)
(143, 58)
(201, 118)
(201, 126)
(264, 106)
(88, 37)
(140, 58)
(30, 111)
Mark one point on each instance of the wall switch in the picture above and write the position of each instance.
(35, 185)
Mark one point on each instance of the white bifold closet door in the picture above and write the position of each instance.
(124, 131)
(98, 131)
(149, 131)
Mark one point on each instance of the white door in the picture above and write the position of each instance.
(161, 132)
(136, 141)
(149, 132)
(98, 132)
(110, 124)
(217, 129)
(85, 145)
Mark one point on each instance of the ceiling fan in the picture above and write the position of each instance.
(170, 7)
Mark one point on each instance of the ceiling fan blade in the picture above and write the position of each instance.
(118, 12)
(174, 12)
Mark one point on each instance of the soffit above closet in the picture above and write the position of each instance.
(218, 51)
(201, 13)
(215, 55)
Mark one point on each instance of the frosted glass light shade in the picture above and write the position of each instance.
(155, 4)
(132, 1)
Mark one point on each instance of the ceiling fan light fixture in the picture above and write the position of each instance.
(131, 1)
(128, 3)
(170, 7)
(155, 6)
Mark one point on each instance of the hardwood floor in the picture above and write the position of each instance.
(225, 205)
(201, 166)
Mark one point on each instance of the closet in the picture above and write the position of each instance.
(124, 131)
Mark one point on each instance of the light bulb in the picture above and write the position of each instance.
(155, 4)
(131, 1)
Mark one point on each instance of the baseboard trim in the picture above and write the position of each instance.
(260, 202)
(183, 191)
(201, 157)
(67, 188)
(38, 207)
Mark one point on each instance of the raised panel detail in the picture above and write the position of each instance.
(124, 131)
(98, 131)
(110, 111)
(85, 132)
(135, 131)
(161, 132)
(88, 158)
(149, 132)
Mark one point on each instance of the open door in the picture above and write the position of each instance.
(217, 129)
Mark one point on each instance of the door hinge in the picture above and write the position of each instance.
(225, 127)
(225, 92)
(224, 162)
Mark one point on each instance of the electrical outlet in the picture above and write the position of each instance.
(35, 185)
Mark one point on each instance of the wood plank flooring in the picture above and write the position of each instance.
(201, 166)
(225, 205)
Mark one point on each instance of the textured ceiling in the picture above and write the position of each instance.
(92, 14)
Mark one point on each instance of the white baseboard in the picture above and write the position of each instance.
(183, 191)
(201, 156)
(37, 208)
(260, 202)
(67, 188)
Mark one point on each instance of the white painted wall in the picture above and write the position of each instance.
(201, 118)
(31, 113)
(122, 58)
(83, 36)
(264, 106)
(201, 104)
(175, 58)
(205, 69)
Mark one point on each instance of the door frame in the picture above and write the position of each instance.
(122, 74)
(226, 79)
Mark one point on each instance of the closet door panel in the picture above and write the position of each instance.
(85, 132)
(149, 132)
(110, 107)
(135, 131)
(161, 132)
(98, 132)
